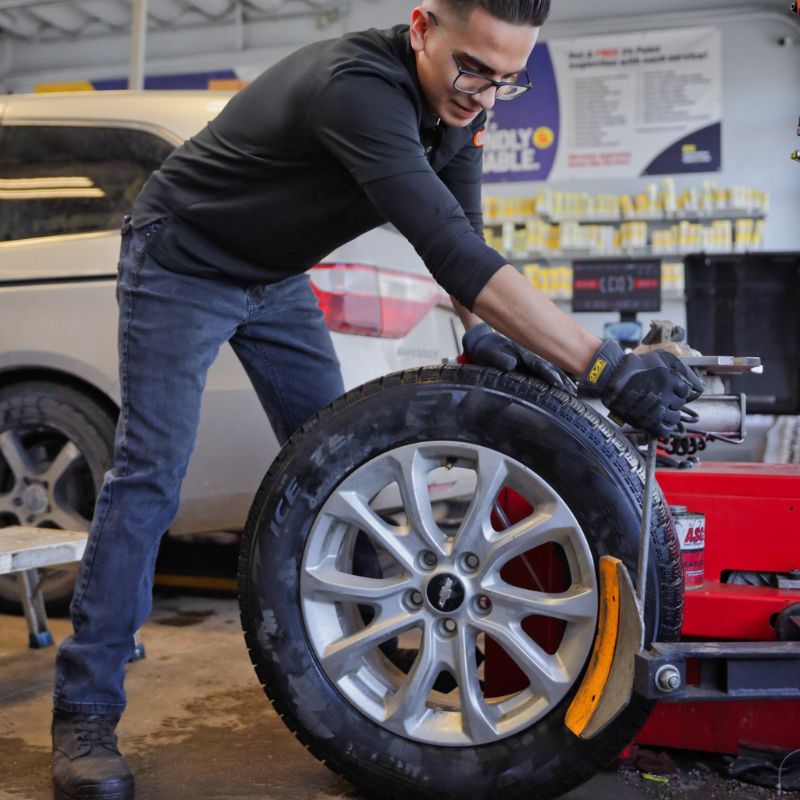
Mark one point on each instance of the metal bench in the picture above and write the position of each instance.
(24, 551)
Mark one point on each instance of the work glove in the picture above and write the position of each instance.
(491, 349)
(647, 391)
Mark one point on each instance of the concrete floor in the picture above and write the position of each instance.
(199, 726)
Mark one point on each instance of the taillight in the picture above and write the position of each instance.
(372, 301)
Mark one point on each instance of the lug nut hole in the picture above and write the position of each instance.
(470, 562)
(483, 605)
(428, 559)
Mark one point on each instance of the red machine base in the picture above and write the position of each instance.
(752, 525)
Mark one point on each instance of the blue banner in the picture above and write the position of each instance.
(522, 134)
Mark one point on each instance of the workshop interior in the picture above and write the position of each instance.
(450, 577)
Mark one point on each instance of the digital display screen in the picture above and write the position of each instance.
(616, 285)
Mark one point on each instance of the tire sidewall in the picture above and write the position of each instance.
(81, 421)
(570, 451)
(66, 411)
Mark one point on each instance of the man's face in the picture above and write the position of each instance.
(481, 43)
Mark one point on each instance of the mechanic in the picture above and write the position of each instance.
(338, 138)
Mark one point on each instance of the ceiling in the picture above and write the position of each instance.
(63, 20)
(573, 10)
(59, 42)
(57, 20)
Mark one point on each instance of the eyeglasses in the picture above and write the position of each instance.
(471, 82)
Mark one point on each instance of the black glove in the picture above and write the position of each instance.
(491, 349)
(647, 391)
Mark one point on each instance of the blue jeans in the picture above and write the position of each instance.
(171, 327)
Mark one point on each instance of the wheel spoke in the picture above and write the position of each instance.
(477, 715)
(66, 458)
(492, 473)
(66, 518)
(412, 478)
(17, 458)
(328, 583)
(345, 655)
(402, 695)
(545, 672)
(7, 506)
(546, 525)
(577, 605)
(408, 703)
(350, 507)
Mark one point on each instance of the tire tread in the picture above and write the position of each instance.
(620, 456)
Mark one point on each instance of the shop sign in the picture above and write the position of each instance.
(613, 106)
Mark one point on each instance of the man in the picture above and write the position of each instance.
(334, 140)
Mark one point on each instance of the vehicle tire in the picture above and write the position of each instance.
(55, 445)
(321, 633)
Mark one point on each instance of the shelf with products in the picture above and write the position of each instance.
(677, 216)
(518, 257)
(655, 204)
(536, 238)
(654, 223)
(542, 241)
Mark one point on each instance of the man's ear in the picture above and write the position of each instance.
(418, 28)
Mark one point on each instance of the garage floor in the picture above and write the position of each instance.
(199, 726)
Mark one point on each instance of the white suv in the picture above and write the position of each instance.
(70, 168)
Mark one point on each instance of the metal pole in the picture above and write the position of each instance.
(644, 533)
(138, 42)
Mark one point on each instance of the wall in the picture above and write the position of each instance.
(761, 105)
(761, 78)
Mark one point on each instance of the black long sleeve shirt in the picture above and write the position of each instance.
(325, 145)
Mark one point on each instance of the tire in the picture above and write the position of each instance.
(327, 639)
(47, 426)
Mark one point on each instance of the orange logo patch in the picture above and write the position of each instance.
(543, 137)
(479, 139)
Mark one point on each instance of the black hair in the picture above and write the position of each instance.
(517, 12)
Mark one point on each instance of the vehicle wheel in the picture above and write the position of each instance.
(55, 445)
(473, 597)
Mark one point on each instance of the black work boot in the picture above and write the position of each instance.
(86, 762)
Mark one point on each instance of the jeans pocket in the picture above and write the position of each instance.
(131, 258)
(128, 270)
(125, 232)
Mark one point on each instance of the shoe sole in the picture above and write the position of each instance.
(122, 794)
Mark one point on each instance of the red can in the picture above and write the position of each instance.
(691, 530)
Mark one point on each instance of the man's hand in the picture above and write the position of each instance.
(647, 391)
(491, 349)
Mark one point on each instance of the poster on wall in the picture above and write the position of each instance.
(613, 106)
